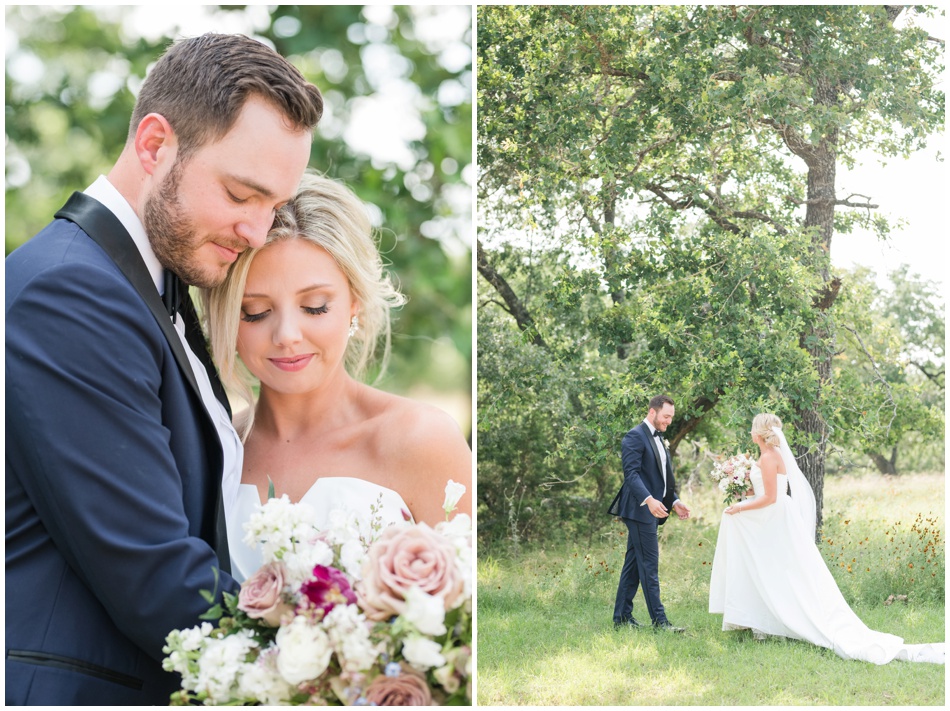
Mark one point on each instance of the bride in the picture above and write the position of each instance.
(769, 576)
(305, 314)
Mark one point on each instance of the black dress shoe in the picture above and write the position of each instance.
(629, 624)
(667, 627)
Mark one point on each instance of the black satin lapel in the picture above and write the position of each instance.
(656, 452)
(199, 346)
(105, 229)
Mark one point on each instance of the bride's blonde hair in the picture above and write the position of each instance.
(762, 425)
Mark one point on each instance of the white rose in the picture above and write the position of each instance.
(423, 653)
(453, 492)
(424, 611)
(304, 651)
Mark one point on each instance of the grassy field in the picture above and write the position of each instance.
(545, 635)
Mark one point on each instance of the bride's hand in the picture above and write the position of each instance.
(732, 509)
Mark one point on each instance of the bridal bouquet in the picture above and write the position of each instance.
(732, 476)
(333, 618)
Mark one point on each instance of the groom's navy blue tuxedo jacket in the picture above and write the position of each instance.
(113, 471)
(643, 477)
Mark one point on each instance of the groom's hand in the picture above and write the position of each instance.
(681, 510)
(657, 508)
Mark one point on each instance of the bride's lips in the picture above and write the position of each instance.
(291, 364)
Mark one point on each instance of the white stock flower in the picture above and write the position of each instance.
(445, 675)
(422, 653)
(459, 530)
(279, 526)
(304, 651)
(424, 611)
(453, 492)
(349, 634)
(464, 565)
(352, 556)
(300, 563)
(221, 664)
(261, 681)
(342, 526)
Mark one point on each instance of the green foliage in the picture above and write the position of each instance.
(891, 338)
(71, 77)
(667, 173)
(526, 402)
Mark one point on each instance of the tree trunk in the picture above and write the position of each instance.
(821, 159)
(885, 465)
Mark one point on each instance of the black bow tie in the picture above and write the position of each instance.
(659, 434)
(174, 289)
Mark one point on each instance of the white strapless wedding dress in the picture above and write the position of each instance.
(327, 494)
(769, 576)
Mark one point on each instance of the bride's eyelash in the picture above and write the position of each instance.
(252, 318)
(312, 310)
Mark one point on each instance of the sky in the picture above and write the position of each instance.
(914, 190)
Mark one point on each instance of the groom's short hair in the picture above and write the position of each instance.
(200, 86)
(659, 401)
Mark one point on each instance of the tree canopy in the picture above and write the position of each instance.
(680, 164)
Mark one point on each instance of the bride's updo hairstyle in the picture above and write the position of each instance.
(328, 214)
(762, 425)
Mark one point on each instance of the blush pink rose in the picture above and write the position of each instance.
(260, 595)
(408, 688)
(406, 557)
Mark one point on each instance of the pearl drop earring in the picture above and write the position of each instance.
(354, 326)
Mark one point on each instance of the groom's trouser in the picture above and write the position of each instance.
(640, 568)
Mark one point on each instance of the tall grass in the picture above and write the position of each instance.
(545, 634)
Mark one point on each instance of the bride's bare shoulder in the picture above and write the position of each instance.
(771, 461)
(410, 425)
(423, 448)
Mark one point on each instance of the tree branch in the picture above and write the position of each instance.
(515, 307)
(879, 376)
(936, 377)
(715, 209)
(836, 201)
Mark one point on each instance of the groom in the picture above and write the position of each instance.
(118, 436)
(644, 502)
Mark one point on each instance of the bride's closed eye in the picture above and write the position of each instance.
(252, 318)
(311, 310)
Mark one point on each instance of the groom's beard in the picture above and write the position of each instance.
(173, 236)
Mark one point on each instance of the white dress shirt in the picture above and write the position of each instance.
(663, 455)
(103, 191)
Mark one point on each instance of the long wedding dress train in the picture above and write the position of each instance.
(769, 576)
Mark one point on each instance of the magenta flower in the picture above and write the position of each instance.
(328, 589)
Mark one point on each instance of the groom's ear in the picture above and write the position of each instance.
(155, 143)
